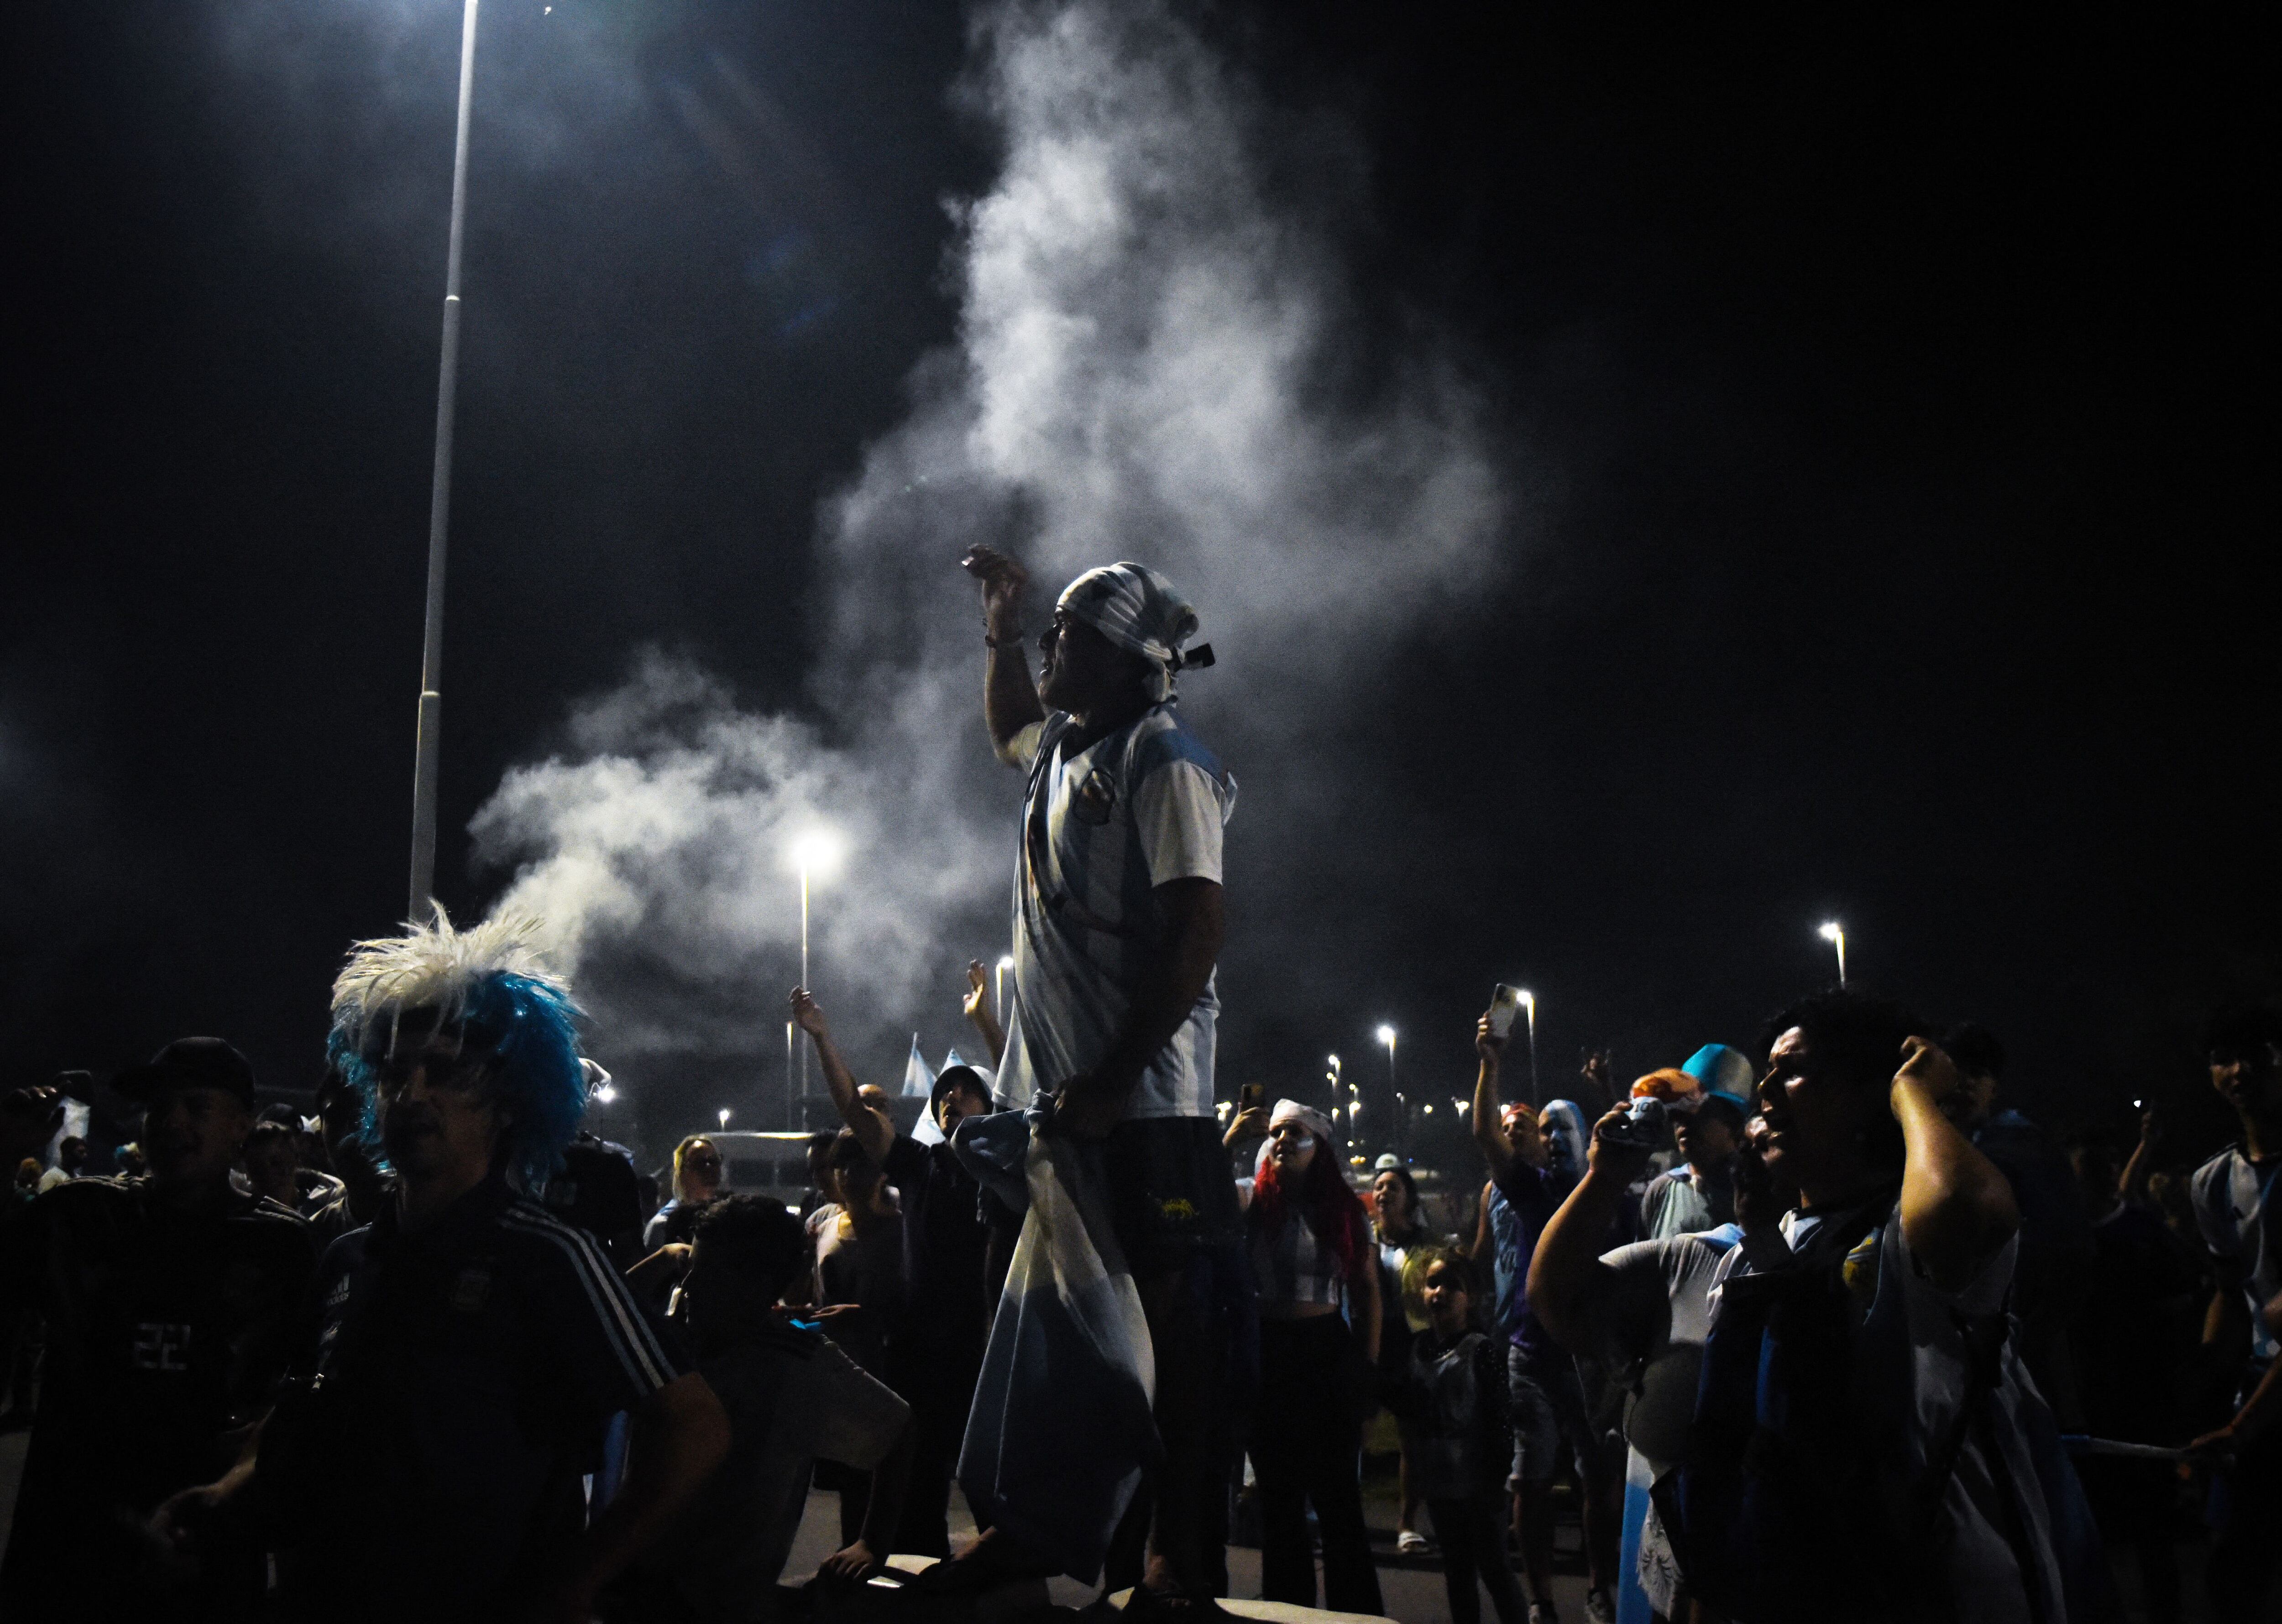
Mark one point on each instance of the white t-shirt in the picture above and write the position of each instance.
(1981, 1578)
(1102, 827)
(2234, 1202)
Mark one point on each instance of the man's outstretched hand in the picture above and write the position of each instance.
(978, 979)
(1003, 582)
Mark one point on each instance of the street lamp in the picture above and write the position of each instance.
(815, 853)
(1006, 964)
(724, 1115)
(428, 741)
(1387, 1036)
(1835, 934)
(1529, 1009)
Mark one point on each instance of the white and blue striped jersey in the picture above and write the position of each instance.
(1102, 827)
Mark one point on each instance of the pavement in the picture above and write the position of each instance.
(1411, 1587)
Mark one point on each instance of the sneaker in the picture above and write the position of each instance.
(1410, 1543)
(1598, 1607)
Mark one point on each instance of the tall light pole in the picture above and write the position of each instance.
(425, 759)
(790, 1125)
(1386, 1035)
(1836, 934)
(1529, 1009)
(816, 853)
(1006, 964)
(1333, 1078)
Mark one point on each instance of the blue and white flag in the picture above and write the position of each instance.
(1060, 1427)
(919, 1082)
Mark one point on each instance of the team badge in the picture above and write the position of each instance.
(470, 1290)
(1092, 799)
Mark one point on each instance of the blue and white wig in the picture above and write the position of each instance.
(492, 987)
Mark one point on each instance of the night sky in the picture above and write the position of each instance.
(1882, 397)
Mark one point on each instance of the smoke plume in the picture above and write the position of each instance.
(1161, 355)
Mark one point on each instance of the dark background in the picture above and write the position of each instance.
(1892, 387)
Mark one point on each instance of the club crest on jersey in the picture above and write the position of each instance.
(470, 1290)
(1092, 801)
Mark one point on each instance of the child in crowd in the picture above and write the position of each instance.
(793, 1398)
(1452, 1400)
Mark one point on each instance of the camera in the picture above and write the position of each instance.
(1642, 1126)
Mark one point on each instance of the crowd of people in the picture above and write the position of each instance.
(1824, 1331)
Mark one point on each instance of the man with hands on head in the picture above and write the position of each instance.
(1908, 1392)
(1118, 923)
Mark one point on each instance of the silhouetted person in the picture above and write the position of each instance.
(934, 1348)
(2056, 1248)
(2239, 1214)
(1118, 923)
(795, 1400)
(1700, 1193)
(171, 1302)
(2133, 1342)
(71, 1161)
(427, 1460)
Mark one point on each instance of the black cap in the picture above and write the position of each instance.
(951, 1077)
(189, 1063)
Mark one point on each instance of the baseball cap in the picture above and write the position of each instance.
(189, 1063)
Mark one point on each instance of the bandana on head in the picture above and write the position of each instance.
(1306, 1116)
(1139, 610)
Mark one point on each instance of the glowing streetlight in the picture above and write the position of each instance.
(1836, 934)
(607, 1093)
(1006, 964)
(816, 853)
(724, 1115)
(1385, 1035)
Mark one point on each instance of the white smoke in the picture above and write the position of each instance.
(1160, 356)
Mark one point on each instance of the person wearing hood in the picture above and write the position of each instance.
(935, 1349)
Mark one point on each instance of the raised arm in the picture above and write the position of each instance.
(1195, 926)
(1009, 699)
(872, 1131)
(1957, 1208)
(2132, 1186)
(978, 1009)
(1566, 1274)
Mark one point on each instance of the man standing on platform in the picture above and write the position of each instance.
(1118, 923)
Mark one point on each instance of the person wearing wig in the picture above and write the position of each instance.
(1316, 1269)
(426, 1459)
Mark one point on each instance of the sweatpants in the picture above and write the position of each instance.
(1305, 1449)
(1472, 1534)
